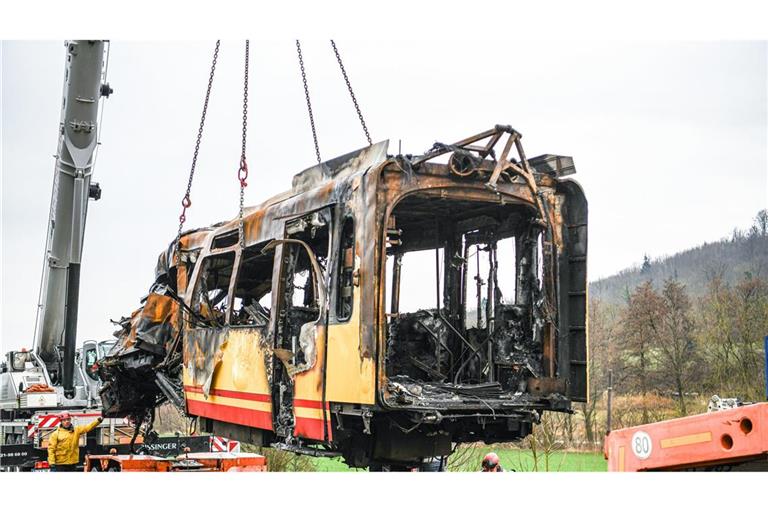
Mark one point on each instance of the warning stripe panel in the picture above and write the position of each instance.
(48, 421)
(52, 421)
(218, 444)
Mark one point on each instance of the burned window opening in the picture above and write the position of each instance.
(479, 256)
(346, 268)
(225, 240)
(210, 301)
(253, 288)
(482, 325)
(300, 305)
(300, 299)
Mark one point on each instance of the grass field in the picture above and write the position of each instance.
(511, 458)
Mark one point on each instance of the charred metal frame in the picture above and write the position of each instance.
(395, 421)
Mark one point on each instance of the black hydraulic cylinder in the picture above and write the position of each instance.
(70, 330)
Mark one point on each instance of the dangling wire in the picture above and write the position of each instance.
(351, 93)
(309, 103)
(242, 172)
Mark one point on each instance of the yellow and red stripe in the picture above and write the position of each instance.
(238, 407)
(255, 410)
(309, 419)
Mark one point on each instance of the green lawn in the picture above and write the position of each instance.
(468, 459)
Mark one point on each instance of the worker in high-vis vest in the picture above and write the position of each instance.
(64, 443)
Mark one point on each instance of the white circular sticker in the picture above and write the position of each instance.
(641, 445)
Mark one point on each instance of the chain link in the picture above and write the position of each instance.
(309, 103)
(351, 93)
(186, 202)
(242, 172)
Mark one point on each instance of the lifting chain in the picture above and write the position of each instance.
(351, 93)
(242, 172)
(186, 202)
(309, 103)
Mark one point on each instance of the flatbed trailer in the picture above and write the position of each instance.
(727, 440)
(33, 456)
(188, 462)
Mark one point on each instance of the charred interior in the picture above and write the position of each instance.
(482, 262)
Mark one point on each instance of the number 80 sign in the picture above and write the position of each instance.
(641, 445)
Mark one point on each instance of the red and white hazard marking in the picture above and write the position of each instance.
(222, 444)
(47, 421)
(52, 421)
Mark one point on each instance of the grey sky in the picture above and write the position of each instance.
(669, 141)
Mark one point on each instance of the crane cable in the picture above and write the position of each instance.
(309, 103)
(242, 172)
(186, 201)
(351, 93)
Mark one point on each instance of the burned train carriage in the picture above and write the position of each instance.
(385, 307)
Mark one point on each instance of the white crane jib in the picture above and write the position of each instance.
(78, 137)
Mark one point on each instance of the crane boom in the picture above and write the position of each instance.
(78, 131)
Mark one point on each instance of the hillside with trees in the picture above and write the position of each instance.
(729, 259)
(679, 330)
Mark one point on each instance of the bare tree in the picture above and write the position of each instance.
(678, 351)
(603, 355)
(761, 222)
(640, 335)
(734, 320)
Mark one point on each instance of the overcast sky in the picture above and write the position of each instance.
(669, 141)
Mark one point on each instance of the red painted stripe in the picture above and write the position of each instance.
(231, 414)
(311, 428)
(312, 404)
(254, 397)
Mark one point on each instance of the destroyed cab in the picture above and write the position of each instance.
(385, 308)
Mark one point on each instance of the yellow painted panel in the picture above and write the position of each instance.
(308, 385)
(309, 412)
(351, 379)
(702, 437)
(242, 365)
